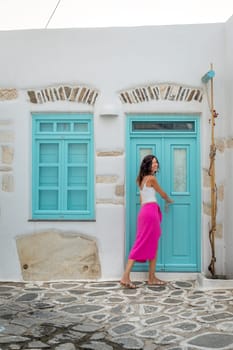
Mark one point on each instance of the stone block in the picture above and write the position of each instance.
(206, 178)
(207, 208)
(107, 179)
(230, 143)
(5, 168)
(6, 136)
(109, 153)
(4, 122)
(8, 183)
(220, 145)
(120, 190)
(220, 193)
(219, 231)
(113, 201)
(8, 94)
(54, 255)
(7, 154)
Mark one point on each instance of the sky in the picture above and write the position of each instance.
(38, 14)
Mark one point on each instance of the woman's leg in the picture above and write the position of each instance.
(125, 281)
(151, 275)
(152, 279)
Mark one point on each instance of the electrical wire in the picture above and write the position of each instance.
(50, 18)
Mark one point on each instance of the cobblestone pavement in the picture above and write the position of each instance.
(105, 316)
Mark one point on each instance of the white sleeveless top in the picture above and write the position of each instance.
(148, 194)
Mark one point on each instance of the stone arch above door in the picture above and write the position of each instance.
(165, 91)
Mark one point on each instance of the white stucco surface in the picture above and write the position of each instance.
(110, 60)
(228, 217)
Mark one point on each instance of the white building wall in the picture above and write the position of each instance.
(109, 60)
(228, 218)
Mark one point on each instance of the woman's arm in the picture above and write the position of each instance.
(154, 183)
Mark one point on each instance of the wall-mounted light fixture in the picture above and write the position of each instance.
(109, 110)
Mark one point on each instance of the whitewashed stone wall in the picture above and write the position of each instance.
(6, 155)
(102, 69)
(7, 144)
(110, 187)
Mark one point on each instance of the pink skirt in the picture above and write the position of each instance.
(148, 233)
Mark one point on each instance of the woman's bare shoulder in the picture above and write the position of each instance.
(151, 180)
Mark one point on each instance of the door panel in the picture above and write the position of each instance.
(179, 177)
(180, 228)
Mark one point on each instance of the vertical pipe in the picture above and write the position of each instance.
(212, 182)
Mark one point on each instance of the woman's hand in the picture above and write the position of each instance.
(168, 201)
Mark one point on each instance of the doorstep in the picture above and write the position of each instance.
(166, 276)
(203, 282)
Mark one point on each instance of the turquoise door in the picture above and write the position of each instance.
(175, 142)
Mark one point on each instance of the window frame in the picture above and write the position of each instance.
(63, 138)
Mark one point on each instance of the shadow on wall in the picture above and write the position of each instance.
(53, 255)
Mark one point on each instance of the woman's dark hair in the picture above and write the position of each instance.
(145, 167)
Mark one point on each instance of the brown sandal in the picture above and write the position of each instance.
(157, 282)
(128, 285)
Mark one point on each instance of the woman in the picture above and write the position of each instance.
(148, 223)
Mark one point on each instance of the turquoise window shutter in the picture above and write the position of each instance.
(62, 167)
(77, 179)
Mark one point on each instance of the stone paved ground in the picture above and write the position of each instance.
(104, 316)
